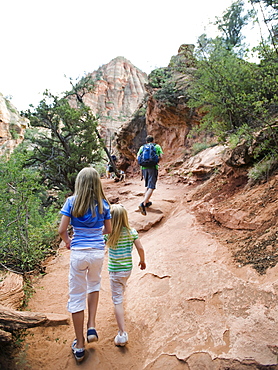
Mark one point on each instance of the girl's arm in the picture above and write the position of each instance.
(63, 230)
(107, 228)
(141, 253)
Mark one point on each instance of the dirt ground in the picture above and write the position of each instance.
(255, 243)
(178, 237)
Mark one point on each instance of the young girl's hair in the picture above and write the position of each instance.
(88, 191)
(119, 221)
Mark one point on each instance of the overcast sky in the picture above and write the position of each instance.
(41, 41)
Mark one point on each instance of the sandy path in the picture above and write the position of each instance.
(190, 301)
(49, 348)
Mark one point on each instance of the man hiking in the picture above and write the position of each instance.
(148, 157)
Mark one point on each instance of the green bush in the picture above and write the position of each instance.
(28, 225)
(262, 170)
(198, 147)
(158, 77)
(234, 93)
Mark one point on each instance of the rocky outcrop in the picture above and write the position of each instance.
(11, 290)
(168, 122)
(12, 126)
(129, 139)
(11, 297)
(119, 89)
(170, 125)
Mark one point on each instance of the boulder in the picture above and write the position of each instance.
(11, 290)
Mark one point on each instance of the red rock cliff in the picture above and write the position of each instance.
(120, 88)
(12, 126)
(168, 123)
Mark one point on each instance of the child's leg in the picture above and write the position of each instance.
(93, 284)
(77, 294)
(118, 282)
(119, 313)
(92, 309)
(78, 322)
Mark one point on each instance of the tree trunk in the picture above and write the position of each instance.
(11, 320)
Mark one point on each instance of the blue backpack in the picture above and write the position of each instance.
(148, 156)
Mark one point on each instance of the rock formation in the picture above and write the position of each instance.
(12, 126)
(168, 122)
(119, 89)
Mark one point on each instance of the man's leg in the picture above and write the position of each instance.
(148, 195)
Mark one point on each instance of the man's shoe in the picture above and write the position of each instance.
(92, 335)
(142, 209)
(121, 340)
(148, 204)
(79, 353)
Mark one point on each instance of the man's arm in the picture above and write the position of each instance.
(159, 151)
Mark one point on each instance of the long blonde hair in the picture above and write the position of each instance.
(119, 221)
(88, 191)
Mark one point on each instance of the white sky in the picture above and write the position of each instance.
(41, 41)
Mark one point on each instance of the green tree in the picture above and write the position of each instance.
(234, 92)
(269, 12)
(27, 226)
(232, 23)
(79, 90)
(65, 142)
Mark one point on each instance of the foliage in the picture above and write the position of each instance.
(238, 99)
(80, 88)
(232, 23)
(27, 227)
(169, 93)
(158, 77)
(234, 92)
(263, 169)
(141, 111)
(66, 140)
(167, 86)
(244, 133)
(199, 147)
(269, 13)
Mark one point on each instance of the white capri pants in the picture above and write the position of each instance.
(84, 276)
(118, 282)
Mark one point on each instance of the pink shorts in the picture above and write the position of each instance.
(84, 276)
(118, 282)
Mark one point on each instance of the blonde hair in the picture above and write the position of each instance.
(119, 221)
(88, 191)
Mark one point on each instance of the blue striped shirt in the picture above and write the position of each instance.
(87, 230)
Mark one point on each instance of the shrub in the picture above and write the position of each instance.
(198, 147)
(262, 170)
(28, 225)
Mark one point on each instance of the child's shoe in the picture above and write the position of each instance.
(79, 353)
(121, 340)
(92, 335)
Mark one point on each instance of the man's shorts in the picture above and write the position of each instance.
(84, 276)
(150, 176)
(118, 282)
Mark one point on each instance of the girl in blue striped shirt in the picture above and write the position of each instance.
(120, 243)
